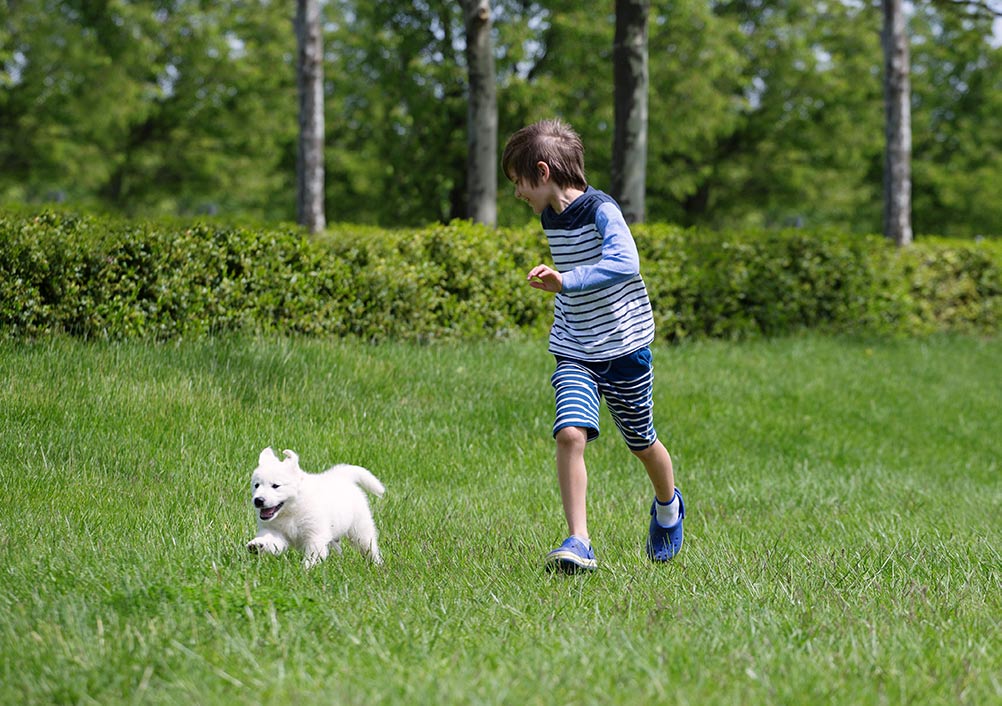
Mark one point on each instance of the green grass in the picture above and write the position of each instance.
(842, 543)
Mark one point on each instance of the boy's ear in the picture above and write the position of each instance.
(542, 170)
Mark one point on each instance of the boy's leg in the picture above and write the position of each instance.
(659, 468)
(628, 389)
(577, 405)
(664, 534)
(629, 394)
(573, 478)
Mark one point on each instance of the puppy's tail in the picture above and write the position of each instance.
(363, 477)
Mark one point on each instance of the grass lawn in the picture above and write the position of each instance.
(843, 537)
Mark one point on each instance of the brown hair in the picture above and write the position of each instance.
(550, 141)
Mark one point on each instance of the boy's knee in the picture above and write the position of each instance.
(572, 437)
(641, 453)
(653, 451)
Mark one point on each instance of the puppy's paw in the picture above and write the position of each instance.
(314, 555)
(264, 545)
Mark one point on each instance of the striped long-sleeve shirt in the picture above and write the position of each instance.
(603, 311)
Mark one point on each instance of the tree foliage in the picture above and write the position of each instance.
(762, 114)
(956, 121)
(148, 106)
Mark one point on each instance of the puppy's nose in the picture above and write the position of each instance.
(258, 502)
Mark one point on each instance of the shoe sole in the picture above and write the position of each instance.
(569, 563)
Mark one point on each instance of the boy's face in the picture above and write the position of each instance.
(537, 195)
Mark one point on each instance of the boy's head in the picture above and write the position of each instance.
(550, 141)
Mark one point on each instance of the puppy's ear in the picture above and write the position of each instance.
(291, 455)
(266, 455)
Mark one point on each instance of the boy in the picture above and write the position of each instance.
(602, 330)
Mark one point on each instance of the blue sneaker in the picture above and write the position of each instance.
(663, 543)
(571, 557)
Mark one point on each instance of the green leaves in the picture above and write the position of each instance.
(148, 106)
(104, 278)
(761, 114)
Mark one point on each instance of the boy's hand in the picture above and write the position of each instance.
(545, 278)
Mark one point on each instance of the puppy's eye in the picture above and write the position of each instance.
(275, 486)
(256, 485)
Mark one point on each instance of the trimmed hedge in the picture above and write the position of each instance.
(101, 278)
(728, 285)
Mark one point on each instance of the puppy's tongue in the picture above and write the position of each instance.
(269, 512)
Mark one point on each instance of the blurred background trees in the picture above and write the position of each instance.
(761, 113)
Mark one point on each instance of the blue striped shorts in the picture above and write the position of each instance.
(626, 383)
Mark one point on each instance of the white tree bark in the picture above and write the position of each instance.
(897, 106)
(630, 74)
(310, 155)
(482, 115)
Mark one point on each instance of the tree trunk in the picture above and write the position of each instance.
(630, 74)
(897, 108)
(482, 115)
(310, 155)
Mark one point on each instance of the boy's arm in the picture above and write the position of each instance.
(620, 260)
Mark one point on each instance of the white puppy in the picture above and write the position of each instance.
(312, 511)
